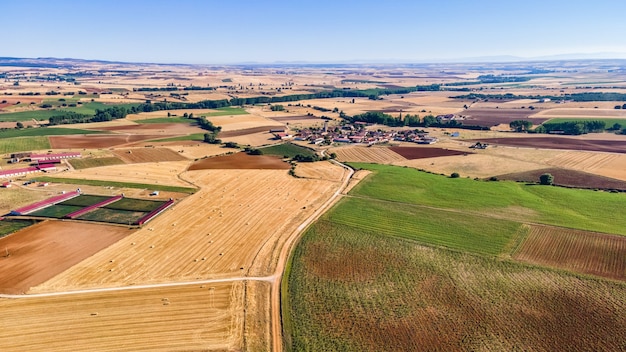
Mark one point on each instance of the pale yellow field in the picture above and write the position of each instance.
(232, 227)
(373, 154)
(324, 170)
(199, 150)
(192, 317)
(161, 173)
(604, 164)
(238, 122)
(253, 139)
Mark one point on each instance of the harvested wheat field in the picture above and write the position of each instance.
(380, 155)
(240, 122)
(605, 164)
(233, 226)
(99, 141)
(41, 251)
(147, 155)
(247, 131)
(192, 317)
(153, 128)
(161, 173)
(472, 165)
(610, 146)
(580, 251)
(195, 150)
(19, 196)
(253, 139)
(240, 160)
(323, 170)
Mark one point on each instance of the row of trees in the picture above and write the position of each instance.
(577, 97)
(409, 120)
(108, 114)
(572, 127)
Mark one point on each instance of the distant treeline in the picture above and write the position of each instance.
(108, 114)
(491, 79)
(170, 89)
(381, 118)
(572, 127)
(577, 97)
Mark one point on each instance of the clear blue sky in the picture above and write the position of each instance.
(231, 31)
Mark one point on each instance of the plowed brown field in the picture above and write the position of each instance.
(581, 251)
(610, 146)
(147, 155)
(240, 161)
(39, 252)
(380, 155)
(233, 226)
(186, 318)
(569, 178)
(411, 153)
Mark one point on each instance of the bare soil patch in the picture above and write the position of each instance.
(581, 251)
(99, 141)
(40, 252)
(296, 118)
(422, 153)
(494, 117)
(240, 161)
(568, 178)
(610, 146)
(147, 155)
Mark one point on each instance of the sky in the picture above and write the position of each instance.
(328, 31)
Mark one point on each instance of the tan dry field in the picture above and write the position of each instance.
(584, 112)
(156, 114)
(324, 170)
(18, 195)
(604, 164)
(39, 252)
(185, 318)
(580, 251)
(234, 226)
(161, 173)
(239, 122)
(153, 128)
(253, 139)
(374, 154)
(147, 155)
(194, 150)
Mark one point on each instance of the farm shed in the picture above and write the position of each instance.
(57, 156)
(47, 167)
(18, 172)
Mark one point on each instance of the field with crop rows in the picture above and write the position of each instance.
(351, 289)
(380, 155)
(94, 162)
(22, 144)
(115, 216)
(85, 200)
(193, 317)
(132, 204)
(288, 150)
(56, 211)
(8, 226)
(580, 251)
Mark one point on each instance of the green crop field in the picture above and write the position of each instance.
(85, 200)
(9, 226)
(45, 131)
(41, 115)
(113, 216)
(22, 144)
(75, 181)
(574, 208)
(288, 150)
(350, 289)
(94, 162)
(190, 137)
(608, 121)
(132, 204)
(56, 211)
(168, 120)
(225, 111)
(476, 234)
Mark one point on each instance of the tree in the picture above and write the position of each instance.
(19, 125)
(455, 175)
(520, 125)
(546, 179)
(211, 138)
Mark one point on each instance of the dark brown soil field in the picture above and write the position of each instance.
(39, 252)
(568, 178)
(99, 141)
(580, 251)
(147, 155)
(245, 131)
(494, 117)
(240, 161)
(559, 143)
(422, 153)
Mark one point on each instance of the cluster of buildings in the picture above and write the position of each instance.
(38, 163)
(355, 133)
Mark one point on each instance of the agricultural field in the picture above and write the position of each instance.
(85, 200)
(22, 144)
(56, 211)
(488, 117)
(287, 150)
(567, 143)
(352, 289)
(181, 318)
(133, 204)
(99, 140)
(45, 131)
(240, 160)
(583, 209)
(380, 155)
(87, 163)
(568, 178)
(114, 216)
(604, 164)
(579, 251)
(324, 170)
(147, 155)
(111, 184)
(9, 226)
(411, 153)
